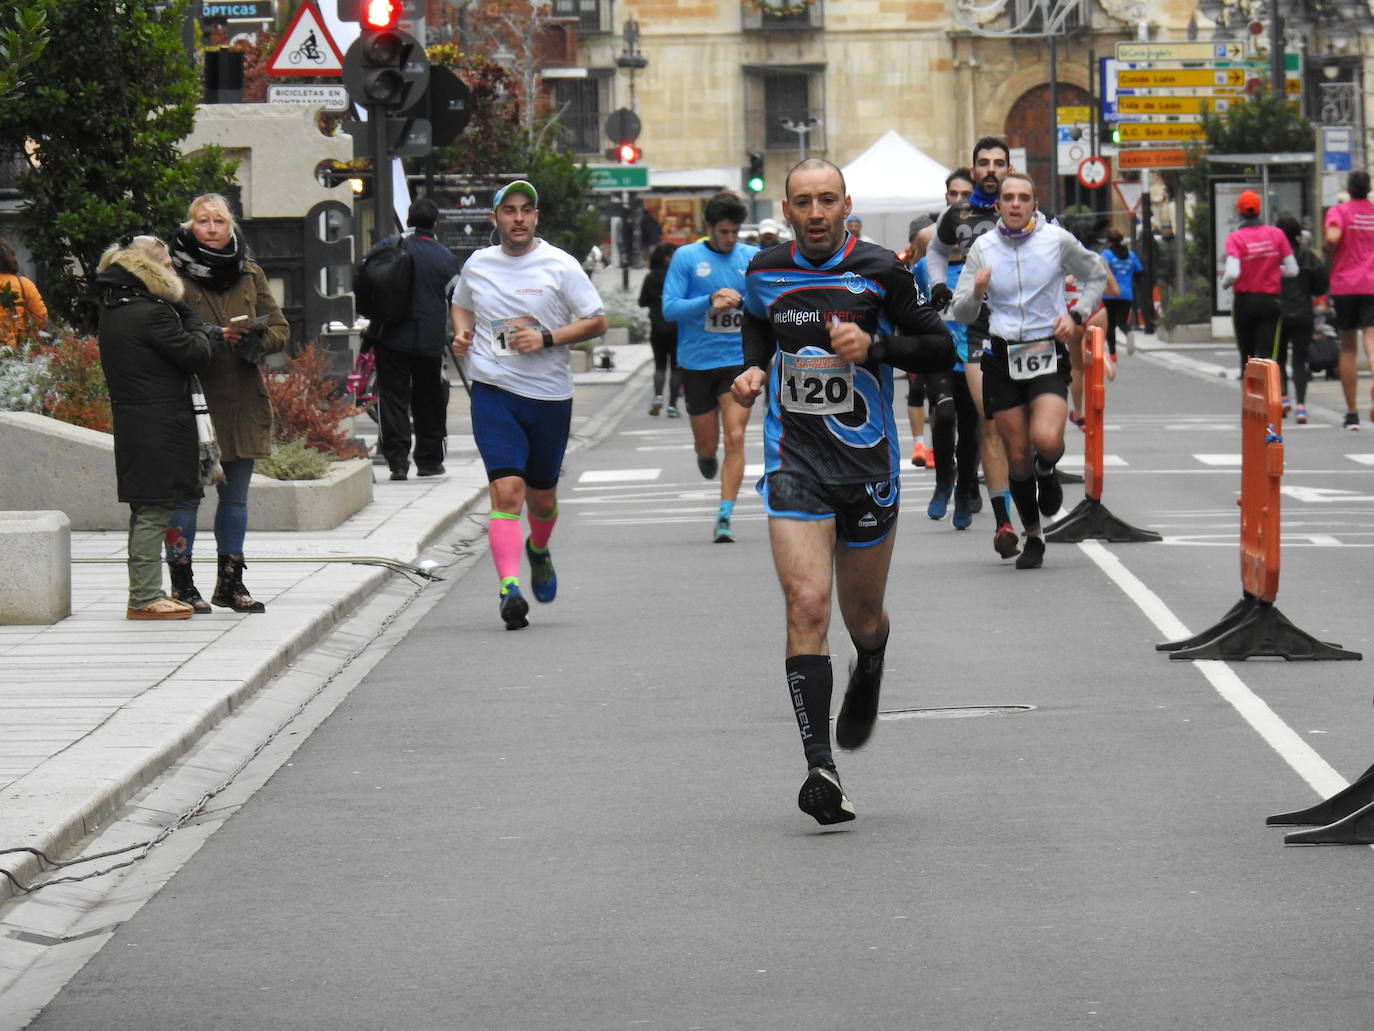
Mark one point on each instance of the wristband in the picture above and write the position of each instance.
(548, 338)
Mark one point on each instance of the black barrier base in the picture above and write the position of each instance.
(1067, 477)
(1336, 808)
(1091, 520)
(1355, 829)
(1255, 628)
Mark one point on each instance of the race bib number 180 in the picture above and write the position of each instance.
(817, 384)
(1032, 358)
(728, 321)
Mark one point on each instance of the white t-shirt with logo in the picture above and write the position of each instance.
(545, 285)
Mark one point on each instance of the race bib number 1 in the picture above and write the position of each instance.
(817, 384)
(1032, 358)
(503, 332)
(728, 321)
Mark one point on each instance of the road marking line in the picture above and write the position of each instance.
(619, 475)
(1108, 461)
(1304, 760)
(1218, 459)
(1362, 459)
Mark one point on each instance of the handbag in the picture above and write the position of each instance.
(210, 471)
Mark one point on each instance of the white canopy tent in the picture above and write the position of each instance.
(891, 183)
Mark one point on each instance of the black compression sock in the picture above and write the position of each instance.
(810, 681)
(1023, 494)
(999, 507)
(869, 663)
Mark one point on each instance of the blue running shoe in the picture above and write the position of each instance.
(542, 576)
(514, 608)
(939, 501)
(963, 512)
(723, 534)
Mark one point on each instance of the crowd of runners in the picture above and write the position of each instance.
(985, 314)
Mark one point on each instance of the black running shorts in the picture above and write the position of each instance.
(864, 513)
(702, 387)
(1001, 392)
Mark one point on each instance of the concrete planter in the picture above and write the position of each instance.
(302, 504)
(50, 465)
(1188, 333)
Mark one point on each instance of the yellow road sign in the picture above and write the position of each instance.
(1152, 132)
(1224, 51)
(1182, 77)
(1170, 105)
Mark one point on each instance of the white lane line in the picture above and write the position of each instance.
(619, 475)
(1108, 461)
(1362, 459)
(1218, 459)
(1305, 761)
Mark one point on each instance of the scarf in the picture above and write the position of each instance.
(1016, 234)
(212, 269)
(979, 199)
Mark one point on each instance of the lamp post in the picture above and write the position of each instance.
(801, 127)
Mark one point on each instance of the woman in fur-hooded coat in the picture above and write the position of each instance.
(150, 345)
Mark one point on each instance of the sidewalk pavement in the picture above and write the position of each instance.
(94, 707)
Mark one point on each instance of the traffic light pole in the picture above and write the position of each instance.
(383, 203)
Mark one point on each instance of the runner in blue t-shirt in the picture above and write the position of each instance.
(1124, 265)
(702, 293)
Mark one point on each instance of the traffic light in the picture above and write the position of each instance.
(628, 153)
(380, 15)
(754, 180)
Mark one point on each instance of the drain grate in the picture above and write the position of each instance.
(953, 712)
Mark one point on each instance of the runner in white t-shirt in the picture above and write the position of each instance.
(515, 307)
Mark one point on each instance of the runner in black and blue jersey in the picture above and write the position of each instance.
(825, 320)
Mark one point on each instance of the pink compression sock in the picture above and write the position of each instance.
(542, 529)
(505, 538)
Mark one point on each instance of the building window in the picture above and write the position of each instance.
(588, 14)
(578, 103)
(759, 21)
(787, 101)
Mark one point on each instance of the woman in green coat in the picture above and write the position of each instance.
(228, 290)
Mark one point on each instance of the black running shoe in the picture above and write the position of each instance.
(822, 798)
(1004, 541)
(708, 466)
(514, 608)
(1051, 494)
(1032, 553)
(860, 709)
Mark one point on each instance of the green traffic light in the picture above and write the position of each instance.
(756, 184)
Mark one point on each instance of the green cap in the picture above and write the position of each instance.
(518, 186)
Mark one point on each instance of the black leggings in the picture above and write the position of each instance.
(1118, 314)
(1294, 336)
(1256, 319)
(663, 339)
(952, 410)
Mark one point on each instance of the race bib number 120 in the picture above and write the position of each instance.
(817, 384)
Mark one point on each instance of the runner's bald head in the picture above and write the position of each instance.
(812, 165)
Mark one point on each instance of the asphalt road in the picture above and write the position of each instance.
(592, 823)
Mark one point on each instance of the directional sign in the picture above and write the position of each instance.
(306, 48)
(1149, 132)
(1183, 77)
(619, 177)
(1093, 172)
(1233, 50)
(1154, 157)
(1153, 105)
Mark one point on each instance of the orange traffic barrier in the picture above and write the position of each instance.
(1254, 626)
(1261, 474)
(1090, 519)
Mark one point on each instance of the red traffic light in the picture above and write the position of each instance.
(628, 153)
(379, 15)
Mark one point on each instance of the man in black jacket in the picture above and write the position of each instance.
(410, 354)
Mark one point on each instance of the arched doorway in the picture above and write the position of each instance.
(1029, 125)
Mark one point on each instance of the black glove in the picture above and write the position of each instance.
(249, 348)
(940, 296)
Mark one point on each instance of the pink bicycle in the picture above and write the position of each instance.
(362, 383)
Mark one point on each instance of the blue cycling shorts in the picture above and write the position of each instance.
(520, 436)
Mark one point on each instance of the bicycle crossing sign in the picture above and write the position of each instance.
(306, 48)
